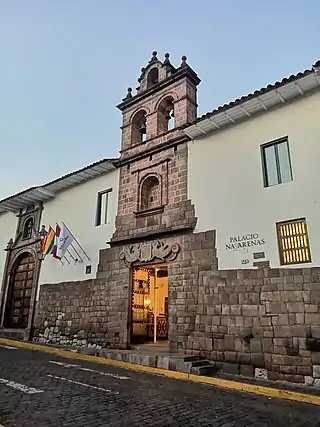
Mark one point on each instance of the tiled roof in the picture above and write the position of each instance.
(47, 191)
(255, 94)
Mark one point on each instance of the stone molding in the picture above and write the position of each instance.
(149, 251)
(15, 249)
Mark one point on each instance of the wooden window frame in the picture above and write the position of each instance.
(98, 222)
(274, 143)
(304, 247)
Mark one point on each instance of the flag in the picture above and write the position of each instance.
(63, 240)
(48, 242)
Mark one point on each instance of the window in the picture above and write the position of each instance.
(102, 214)
(166, 115)
(27, 229)
(139, 128)
(276, 163)
(293, 242)
(150, 196)
(88, 269)
(153, 77)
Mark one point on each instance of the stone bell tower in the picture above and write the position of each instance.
(153, 195)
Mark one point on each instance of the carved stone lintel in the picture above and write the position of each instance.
(148, 252)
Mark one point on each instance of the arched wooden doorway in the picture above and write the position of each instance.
(20, 290)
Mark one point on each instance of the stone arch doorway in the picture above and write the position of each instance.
(20, 292)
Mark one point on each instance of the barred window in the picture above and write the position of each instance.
(293, 242)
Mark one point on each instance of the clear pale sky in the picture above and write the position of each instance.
(65, 64)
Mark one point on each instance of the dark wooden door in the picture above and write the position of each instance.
(20, 292)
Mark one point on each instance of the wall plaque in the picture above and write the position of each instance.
(243, 242)
(259, 255)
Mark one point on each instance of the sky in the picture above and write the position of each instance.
(66, 64)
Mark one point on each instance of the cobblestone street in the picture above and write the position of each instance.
(38, 389)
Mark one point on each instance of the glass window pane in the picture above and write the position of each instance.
(98, 213)
(104, 208)
(284, 162)
(271, 166)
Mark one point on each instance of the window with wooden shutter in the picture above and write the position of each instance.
(293, 242)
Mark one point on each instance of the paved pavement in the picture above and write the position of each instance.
(40, 390)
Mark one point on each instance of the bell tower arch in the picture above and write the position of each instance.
(153, 158)
(164, 92)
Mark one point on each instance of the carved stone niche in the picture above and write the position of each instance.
(146, 252)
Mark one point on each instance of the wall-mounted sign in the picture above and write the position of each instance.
(258, 255)
(244, 241)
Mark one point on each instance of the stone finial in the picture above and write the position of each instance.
(43, 232)
(167, 60)
(129, 93)
(154, 56)
(9, 244)
(184, 61)
(142, 74)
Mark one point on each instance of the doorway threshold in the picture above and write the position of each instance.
(157, 348)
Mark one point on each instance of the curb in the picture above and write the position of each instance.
(211, 381)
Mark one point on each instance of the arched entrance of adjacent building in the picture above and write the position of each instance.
(19, 292)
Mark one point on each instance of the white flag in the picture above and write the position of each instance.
(64, 238)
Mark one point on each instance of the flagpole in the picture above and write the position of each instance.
(66, 259)
(76, 241)
(71, 256)
(76, 252)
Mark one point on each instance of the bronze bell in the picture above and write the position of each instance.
(143, 129)
(169, 115)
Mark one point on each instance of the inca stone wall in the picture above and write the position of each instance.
(262, 322)
(93, 311)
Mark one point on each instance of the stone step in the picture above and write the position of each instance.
(192, 358)
(200, 366)
(199, 363)
(12, 333)
(206, 370)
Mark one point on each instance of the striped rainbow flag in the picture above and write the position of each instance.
(48, 242)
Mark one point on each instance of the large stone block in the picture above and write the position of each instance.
(250, 310)
(312, 319)
(247, 370)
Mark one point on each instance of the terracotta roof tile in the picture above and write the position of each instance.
(254, 94)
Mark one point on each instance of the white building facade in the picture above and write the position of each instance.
(252, 175)
(79, 208)
(251, 171)
(84, 201)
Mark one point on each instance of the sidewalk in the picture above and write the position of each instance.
(269, 389)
